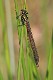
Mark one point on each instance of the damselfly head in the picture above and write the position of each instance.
(24, 12)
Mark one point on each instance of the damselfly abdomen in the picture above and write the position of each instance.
(31, 39)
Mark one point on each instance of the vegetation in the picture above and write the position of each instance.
(26, 64)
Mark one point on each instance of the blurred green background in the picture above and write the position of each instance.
(41, 22)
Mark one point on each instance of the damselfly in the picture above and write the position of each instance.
(24, 20)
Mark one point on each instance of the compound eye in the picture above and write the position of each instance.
(22, 12)
(26, 12)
